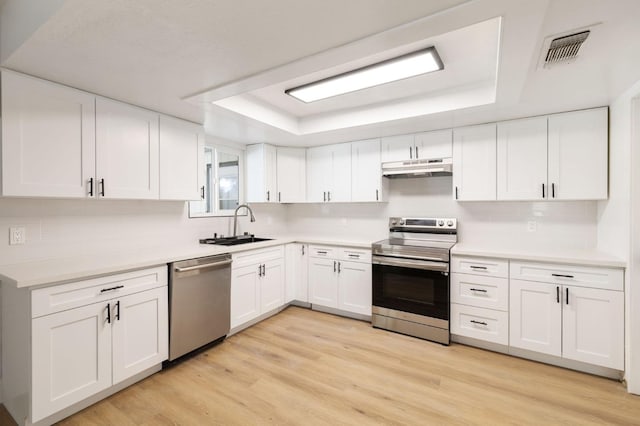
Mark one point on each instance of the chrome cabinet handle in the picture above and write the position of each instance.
(377, 197)
(264, 270)
(259, 270)
(417, 156)
(410, 153)
(328, 195)
(557, 294)
(478, 322)
(303, 249)
(102, 187)
(324, 196)
(567, 294)
(202, 192)
(553, 190)
(108, 313)
(479, 290)
(90, 187)
(268, 195)
(334, 266)
(339, 264)
(482, 268)
(118, 310)
(543, 190)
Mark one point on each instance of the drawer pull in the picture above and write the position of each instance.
(479, 290)
(478, 322)
(562, 276)
(321, 252)
(355, 256)
(104, 290)
(482, 268)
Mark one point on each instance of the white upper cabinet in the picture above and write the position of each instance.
(48, 138)
(474, 163)
(437, 144)
(522, 159)
(127, 151)
(261, 174)
(578, 155)
(291, 175)
(329, 173)
(181, 159)
(366, 175)
(398, 148)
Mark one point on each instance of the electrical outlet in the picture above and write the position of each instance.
(17, 235)
(532, 226)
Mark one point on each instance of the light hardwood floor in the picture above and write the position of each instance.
(304, 367)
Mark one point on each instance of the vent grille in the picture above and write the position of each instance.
(565, 48)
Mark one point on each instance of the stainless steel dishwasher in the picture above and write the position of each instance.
(199, 303)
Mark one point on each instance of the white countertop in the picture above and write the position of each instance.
(573, 257)
(56, 270)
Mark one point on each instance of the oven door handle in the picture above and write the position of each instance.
(413, 264)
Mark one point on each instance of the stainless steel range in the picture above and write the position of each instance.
(411, 277)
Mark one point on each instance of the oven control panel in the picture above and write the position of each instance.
(423, 223)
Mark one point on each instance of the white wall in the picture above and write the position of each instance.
(501, 224)
(615, 225)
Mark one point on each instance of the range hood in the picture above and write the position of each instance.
(417, 168)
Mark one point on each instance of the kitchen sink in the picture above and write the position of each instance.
(234, 241)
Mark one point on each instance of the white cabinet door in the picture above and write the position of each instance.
(437, 144)
(535, 313)
(397, 148)
(71, 358)
(318, 173)
(292, 175)
(140, 332)
(323, 282)
(578, 155)
(245, 294)
(522, 159)
(272, 285)
(474, 163)
(366, 174)
(261, 174)
(354, 287)
(340, 173)
(181, 159)
(592, 324)
(48, 138)
(127, 151)
(297, 287)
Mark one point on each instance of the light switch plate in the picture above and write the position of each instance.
(17, 235)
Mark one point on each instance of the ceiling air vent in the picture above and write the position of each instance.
(565, 48)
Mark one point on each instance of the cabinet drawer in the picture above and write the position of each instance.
(579, 276)
(480, 323)
(251, 257)
(354, 255)
(479, 291)
(323, 251)
(480, 266)
(58, 298)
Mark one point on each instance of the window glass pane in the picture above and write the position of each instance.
(228, 178)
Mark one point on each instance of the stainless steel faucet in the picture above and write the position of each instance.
(235, 217)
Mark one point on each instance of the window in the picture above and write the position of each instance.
(223, 185)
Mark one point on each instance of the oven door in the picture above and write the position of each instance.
(410, 285)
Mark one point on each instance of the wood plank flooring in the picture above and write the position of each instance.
(305, 367)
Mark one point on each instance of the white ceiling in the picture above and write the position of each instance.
(159, 53)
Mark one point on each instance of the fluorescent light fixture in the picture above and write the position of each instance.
(405, 66)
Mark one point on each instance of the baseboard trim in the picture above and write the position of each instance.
(340, 312)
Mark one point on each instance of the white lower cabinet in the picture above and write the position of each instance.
(340, 278)
(71, 358)
(297, 270)
(480, 298)
(82, 338)
(257, 284)
(565, 318)
(536, 315)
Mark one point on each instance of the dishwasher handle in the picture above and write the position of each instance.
(203, 267)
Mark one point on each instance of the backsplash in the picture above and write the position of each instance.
(569, 224)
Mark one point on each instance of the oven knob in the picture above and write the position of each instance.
(401, 222)
(449, 223)
(441, 223)
(394, 222)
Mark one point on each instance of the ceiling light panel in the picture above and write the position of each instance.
(409, 65)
